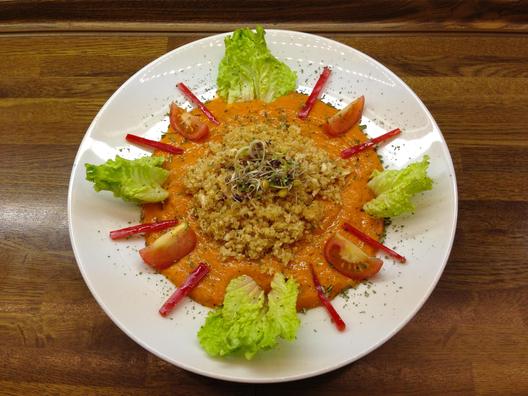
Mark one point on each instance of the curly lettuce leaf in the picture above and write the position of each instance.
(395, 188)
(245, 323)
(249, 70)
(137, 181)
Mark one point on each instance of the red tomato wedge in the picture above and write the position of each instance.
(190, 283)
(346, 118)
(170, 247)
(187, 124)
(348, 259)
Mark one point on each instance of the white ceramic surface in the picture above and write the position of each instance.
(131, 294)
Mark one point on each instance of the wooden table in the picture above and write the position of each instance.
(59, 64)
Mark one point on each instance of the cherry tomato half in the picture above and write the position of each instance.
(348, 259)
(346, 118)
(187, 124)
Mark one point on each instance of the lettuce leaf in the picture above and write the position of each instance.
(245, 323)
(135, 181)
(395, 188)
(249, 70)
(282, 311)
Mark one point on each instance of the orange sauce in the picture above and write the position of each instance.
(309, 250)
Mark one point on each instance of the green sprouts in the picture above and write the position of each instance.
(257, 168)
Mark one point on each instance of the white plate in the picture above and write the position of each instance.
(131, 294)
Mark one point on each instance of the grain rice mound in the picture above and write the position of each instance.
(252, 218)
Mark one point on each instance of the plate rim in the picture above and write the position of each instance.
(277, 379)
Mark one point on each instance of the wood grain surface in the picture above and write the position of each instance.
(225, 15)
(469, 338)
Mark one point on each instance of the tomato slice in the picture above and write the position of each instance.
(345, 118)
(170, 247)
(187, 124)
(348, 259)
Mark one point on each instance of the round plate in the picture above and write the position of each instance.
(131, 294)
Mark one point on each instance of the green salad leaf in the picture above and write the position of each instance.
(136, 180)
(395, 188)
(246, 323)
(249, 70)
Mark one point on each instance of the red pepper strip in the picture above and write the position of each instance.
(339, 323)
(148, 227)
(349, 152)
(190, 283)
(372, 242)
(305, 110)
(188, 93)
(152, 143)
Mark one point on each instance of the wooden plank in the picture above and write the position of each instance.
(106, 66)
(50, 389)
(196, 388)
(328, 27)
(104, 368)
(507, 377)
(80, 87)
(315, 15)
(81, 46)
(50, 161)
(27, 67)
(485, 254)
(168, 379)
(42, 120)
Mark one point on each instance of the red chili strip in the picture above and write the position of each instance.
(339, 323)
(305, 110)
(152, 143)
(349, 152)
(372, 242)
(190, 283)
(148, 227)
(192, 97)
